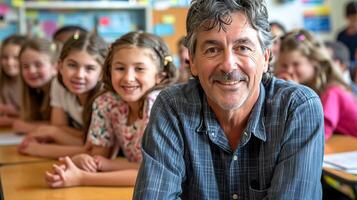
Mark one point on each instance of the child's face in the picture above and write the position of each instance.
(37, 69)
(133, 72)
(80, 72)
(9, 60)
(294, 66)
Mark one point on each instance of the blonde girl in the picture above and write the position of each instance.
(38, 62)
(79, 80)
(10, 80)
(304, 59)
(137, 67)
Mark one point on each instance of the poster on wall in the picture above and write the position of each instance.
(45, 22)
(317, 19)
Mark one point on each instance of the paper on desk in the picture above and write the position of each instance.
(346, 161)
(10, 138)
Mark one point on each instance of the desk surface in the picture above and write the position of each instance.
(26, 181)
(10, 155)
(336, 144)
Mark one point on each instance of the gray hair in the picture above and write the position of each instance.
(208, 14)
(217, 13)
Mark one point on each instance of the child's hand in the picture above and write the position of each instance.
(65, 175)
(6, 120)
(20, 126)
(45, 133)
(102, 162)
(85, 162)
(8, 110)
(28, 146)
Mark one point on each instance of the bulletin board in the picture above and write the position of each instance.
(170, 24)
(108, 18)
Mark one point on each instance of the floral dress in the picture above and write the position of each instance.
(109, 127)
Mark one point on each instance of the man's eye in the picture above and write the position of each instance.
(243, 50)
(212, 51)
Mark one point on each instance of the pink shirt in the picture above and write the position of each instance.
(109, 127)
(340, 111)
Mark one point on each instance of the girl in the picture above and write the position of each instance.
(38, 58)
(79, 79)
(10, 80)
(304, 60)
(138, 65)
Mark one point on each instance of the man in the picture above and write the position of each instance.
(234, 132)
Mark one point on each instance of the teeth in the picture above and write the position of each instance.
(230, 83)
(130, 87)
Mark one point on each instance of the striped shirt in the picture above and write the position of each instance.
(186, 154)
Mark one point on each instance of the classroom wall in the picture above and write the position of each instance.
(291, 15)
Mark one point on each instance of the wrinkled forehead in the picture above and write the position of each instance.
(237, 28)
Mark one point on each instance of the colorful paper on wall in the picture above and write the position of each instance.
(168, 19)
(4, 9)
(317, 19)
(7, 30)
(313, 2)
(164, 29)
(17, 3)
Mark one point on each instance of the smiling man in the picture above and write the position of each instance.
(233, 132)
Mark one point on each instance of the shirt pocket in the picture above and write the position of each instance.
(255, 194)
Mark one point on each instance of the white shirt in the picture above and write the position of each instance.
(64, 99)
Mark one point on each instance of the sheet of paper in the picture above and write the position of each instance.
(10, 138)
(346, 161)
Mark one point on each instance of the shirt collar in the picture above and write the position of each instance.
(208, 120)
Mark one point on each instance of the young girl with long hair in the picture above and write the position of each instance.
(137, 67)
(10, 80)
(38, 65)
(79, 80)
(304, 60)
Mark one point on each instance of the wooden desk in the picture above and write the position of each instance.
(10, 155)
(26, 181)
(346, 183)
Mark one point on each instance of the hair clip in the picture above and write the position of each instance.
(167, 60)
(76, 35)
(53, 47)
(300, 37)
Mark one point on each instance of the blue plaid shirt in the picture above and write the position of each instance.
(186, 154)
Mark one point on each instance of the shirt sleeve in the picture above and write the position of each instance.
(163, 168)
(330, 103)
(297, 174)
(101, 131)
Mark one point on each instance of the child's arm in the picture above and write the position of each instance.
(32, 147)
(58, 131)
(57, 135)
(7, 121)
(21, 126)
(8, 110)
(70, 175)
(105, 164)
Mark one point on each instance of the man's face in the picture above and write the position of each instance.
(230, 64)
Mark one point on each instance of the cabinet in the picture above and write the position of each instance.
(110, 19)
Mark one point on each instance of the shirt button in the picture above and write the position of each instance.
(212, 134)
(235, 196)
(235, 158)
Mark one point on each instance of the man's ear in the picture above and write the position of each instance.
(192, 65)
(267, 53)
